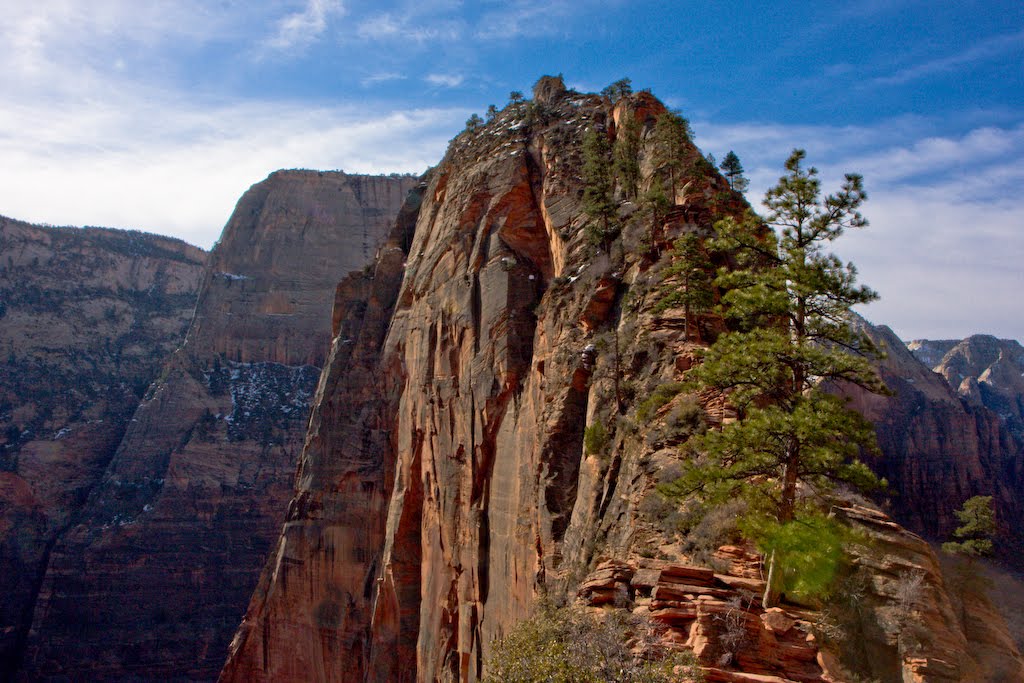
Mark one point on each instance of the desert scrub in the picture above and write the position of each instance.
(686, 419)
(661, 395)
(567, 645)
(595, 439)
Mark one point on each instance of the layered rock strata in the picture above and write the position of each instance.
(939, 449)
(87, 318)
(150, 581)
(446, 480)
(984, 371)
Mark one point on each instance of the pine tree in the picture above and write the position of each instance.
(732, 169)
(655, 203)
(692, 269)
(789, 302)
(598, 202)
(619, 89)
(670, 143)
(978, 527)
(626, 152)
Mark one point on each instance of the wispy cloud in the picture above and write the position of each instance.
(389, 27)
(445, 80)
(993, 47)
(383, 77)
(168, 164)
(524, 18)
(944, 246)
(299, 29)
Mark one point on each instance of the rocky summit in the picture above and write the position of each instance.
(453, 475)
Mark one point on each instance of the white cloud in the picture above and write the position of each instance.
(524, 18)
(945, 244)
(383, 77)
(170, 165)
(409, 28)
(445, 80)
(990, 48)
(299, 29)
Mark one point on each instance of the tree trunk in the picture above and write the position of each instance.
(771, 596)
(790, 474)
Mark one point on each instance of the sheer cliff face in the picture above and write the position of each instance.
(160, 563)
(984, 371)
(444, 481)
(88, 316)
(941, 448)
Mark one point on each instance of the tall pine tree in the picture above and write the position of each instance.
(670, 142)
(626, 153)
(732, 169)
(790, 303)
(598, 200)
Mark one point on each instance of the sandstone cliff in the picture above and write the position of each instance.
(941, 449)
(984, 371)
(150, 581)
(444, 484)
(88, 317)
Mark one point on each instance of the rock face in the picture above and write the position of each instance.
(939, 449)
(984, 371)
(446, 480)
(88, 317)
(152, 577)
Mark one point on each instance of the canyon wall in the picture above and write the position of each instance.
(984, 371)
(87, 318)
(941, 448)
(446, 482)
(151, 579)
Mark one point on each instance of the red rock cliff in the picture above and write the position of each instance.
(88, 317)
(940, 449)
(152, 578)
(444, 482)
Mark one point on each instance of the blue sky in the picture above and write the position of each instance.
(158, 114)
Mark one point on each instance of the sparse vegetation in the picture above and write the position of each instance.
(595, 439)
(568, 645)
(660, 397)
(619, 89)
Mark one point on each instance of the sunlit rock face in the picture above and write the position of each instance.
(153, 575)
(445, 485)
(984, 371)
(87, 318)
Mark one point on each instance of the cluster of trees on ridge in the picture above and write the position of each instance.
(788, 302)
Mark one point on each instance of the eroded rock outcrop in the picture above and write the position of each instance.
(984, 371)
(445, 482)
(939, 450)
(151, 579)
(87, 318)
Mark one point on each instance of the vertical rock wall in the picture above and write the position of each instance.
(431, 511)
(152, 578)
(445, 484)
(87, 317)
